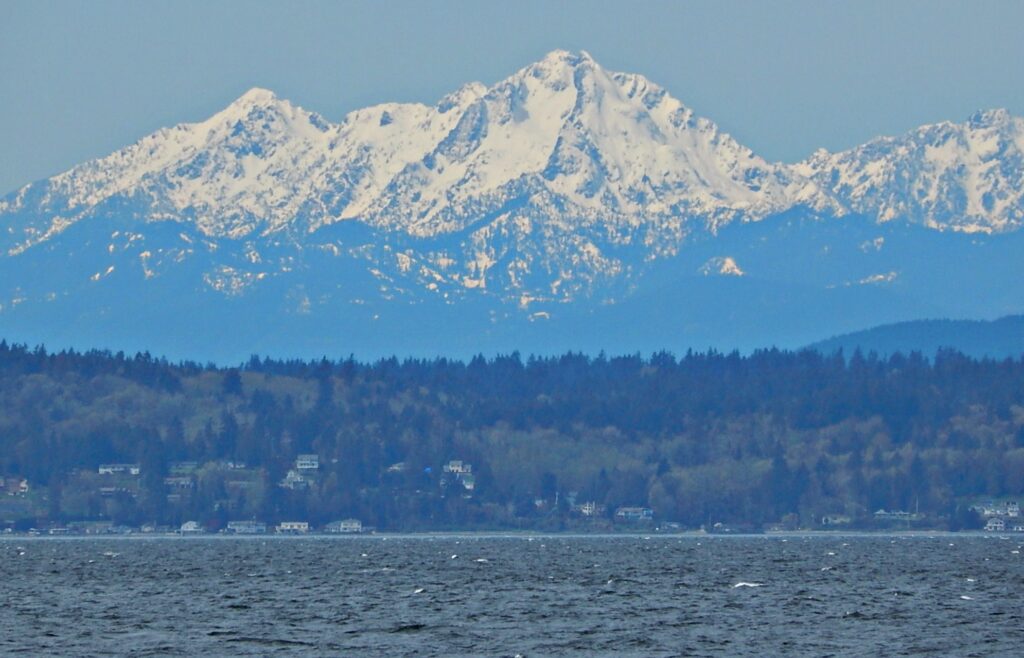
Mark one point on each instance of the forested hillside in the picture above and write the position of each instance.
(546, 443)
(995, 339)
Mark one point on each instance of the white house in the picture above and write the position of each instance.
(348, 526)
(190, 528)
(995, 524)
(292, 527)
(307, 462)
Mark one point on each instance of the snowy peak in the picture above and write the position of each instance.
(998, 117)
(601, 143)
(561, 152)
(965, 177)
(255, 96)
(562, 137)
(462, 97)
(242, 170)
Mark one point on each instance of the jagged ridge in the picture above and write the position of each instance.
(552, 182)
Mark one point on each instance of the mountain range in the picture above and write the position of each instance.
(565, 207)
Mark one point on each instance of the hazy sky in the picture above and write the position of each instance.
(79, 80)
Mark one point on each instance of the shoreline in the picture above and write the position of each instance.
(522, 535)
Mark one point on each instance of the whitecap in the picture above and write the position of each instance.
(745, 584)
(966, 598)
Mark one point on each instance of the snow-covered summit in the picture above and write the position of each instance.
(243, 169)
(599, 143)
(554, 168)
(562, 132)
(950, 176)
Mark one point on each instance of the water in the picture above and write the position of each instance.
(552, 595)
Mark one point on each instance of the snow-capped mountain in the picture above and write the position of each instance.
(562, 149)
(964, 177)
(563, 189)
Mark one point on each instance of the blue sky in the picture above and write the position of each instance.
(80, 80)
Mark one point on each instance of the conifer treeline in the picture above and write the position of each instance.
(703, 438)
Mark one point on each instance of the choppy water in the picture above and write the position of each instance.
(552, 595)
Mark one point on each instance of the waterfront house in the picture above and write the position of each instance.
(190, 528)
(995, 524)
(634, 514)
(347, 526)
(246, 528)
(1008, 509)
(293, 528)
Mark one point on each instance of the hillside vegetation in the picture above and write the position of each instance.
(776, 437)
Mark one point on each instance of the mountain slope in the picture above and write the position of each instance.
(965, 177)
(557, 206)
